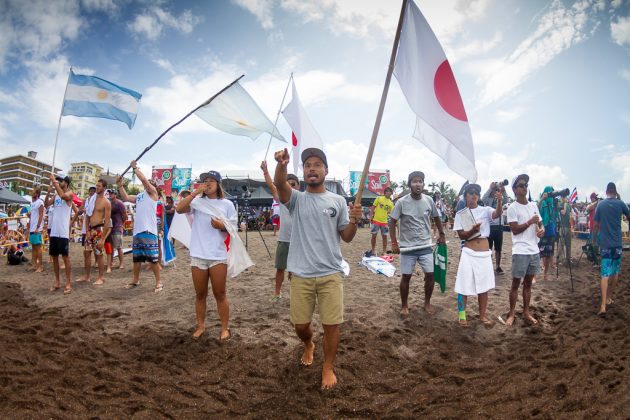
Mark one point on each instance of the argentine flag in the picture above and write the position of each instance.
(90, 96)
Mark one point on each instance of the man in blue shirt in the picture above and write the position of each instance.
(608, 222)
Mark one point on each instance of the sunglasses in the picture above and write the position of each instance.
(522, 185)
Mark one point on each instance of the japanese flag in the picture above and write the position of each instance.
(303, 133)
(427, 81)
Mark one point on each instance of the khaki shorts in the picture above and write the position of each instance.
(116, 240)
(326, 291)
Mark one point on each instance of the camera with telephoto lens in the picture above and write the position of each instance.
(498, 184)
(560, 193)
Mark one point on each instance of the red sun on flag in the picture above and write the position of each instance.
(447, 93)
(294, 139)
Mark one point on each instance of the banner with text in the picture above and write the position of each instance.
(375, 181)
(163, 177)
(181, 179)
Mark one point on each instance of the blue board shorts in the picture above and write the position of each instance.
(35, 238)
(611, 261)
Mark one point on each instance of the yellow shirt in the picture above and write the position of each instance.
(382, 207)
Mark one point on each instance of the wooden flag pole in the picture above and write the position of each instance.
(379, 116)
(278, 114)
(146, 149)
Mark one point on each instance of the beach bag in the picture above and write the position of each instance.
(440, 262)
(550, 230)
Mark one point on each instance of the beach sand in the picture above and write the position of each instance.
(107, 352)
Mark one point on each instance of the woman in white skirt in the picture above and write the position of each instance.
(208, 249)
(475, 274)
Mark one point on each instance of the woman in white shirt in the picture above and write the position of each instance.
(208, 247)
(475, 274)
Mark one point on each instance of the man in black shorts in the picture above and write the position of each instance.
(496, 226)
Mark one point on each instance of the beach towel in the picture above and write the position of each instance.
(475, 273)
(238, 259)
(379, 266)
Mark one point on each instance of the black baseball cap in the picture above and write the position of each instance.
(472, 188)
(415, 174)
(61, 177)
(517, 178)
(313, 151)
(210, 174)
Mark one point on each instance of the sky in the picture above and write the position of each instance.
(545, 84)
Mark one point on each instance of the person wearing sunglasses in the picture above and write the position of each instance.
(526, 226)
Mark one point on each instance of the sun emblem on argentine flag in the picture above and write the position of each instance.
(102, 95)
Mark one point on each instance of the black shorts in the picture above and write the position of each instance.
(495, 240)
(58, 246)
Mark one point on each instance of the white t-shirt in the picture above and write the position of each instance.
(60, 227)
(35, 215)
(285, 224)
(482, 215)
(205, 241)
(526, 242)
(145, 218)
(276, 208)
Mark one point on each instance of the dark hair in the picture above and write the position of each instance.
(102, 182)
(37, 191)
(388, 189)
(168, 197)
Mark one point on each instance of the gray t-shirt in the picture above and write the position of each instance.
(414, 218)
(285, 224)
(317, 219)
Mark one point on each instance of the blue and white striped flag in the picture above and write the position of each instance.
(90, 96)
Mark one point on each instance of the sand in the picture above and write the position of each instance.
(107, 352)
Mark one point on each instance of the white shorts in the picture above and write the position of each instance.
(204, 264)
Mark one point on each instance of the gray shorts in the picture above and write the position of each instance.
(383, 229)
(116, 240)
(408, 262)
(525, 265)
(282, 252)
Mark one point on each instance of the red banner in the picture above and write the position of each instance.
(378, 181)
(163, 177)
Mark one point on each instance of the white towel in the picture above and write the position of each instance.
(475, 273)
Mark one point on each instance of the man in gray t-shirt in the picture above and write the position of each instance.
(320, 219)
(415, 212)
(284, 236)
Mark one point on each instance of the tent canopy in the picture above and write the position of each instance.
(9, 197)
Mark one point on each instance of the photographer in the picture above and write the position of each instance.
(495, 239)
(565, 226)
(549, 214)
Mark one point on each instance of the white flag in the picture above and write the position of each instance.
(427, 81)
(235, 112)
(304, 134)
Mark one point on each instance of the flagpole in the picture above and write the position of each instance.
(278, 115)
(59, 123)
(146, 149)
(379, 116)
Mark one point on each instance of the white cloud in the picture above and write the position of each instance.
(108, 6)
(488, 138)
(165, 64)
(625, 74)
(35, 29)
(471, 48)
(616, 3)
(509, 115)
(620, 30)
(262, 9)
(153, 21)
(559, 28)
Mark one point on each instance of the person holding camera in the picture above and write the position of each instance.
(495, 237)
(549, 214)
(565, 226)
(525, 224)
(608, 223)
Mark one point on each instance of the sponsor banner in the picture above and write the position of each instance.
(181, 179)
(375, 181)
(163, 177)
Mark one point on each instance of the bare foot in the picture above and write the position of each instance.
(329, 379)
(609, 301)
(225, 335)
(82, 279)
(308, 355)
(39, 270)
(198, 332)
(487, 322)
(530, 319)
(55, 287)
(67, 290)
(98, 282)
(510, 320)
(109, 271)
(429, 309)
(463, 323)
(404, 312)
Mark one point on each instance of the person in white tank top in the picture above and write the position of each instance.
(145, 239)
(60, 229)
(208, 252)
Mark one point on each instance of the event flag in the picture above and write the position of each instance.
(91, 96)
(303, 133)
(427, 81)
(574, 196)
(235, 112)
